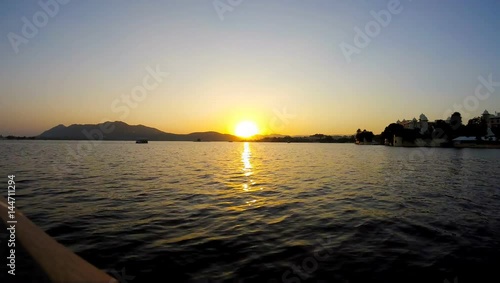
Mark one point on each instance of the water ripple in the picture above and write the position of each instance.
(253, 212)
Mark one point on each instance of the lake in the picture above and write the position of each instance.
(263, 212)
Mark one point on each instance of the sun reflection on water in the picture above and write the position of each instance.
(245, 157)
(247, 170)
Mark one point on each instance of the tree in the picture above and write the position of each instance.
(369, 136)
(496, 131)
(365, 136)
(319, 136)
(476, 127)
(442, 130)
(390, 131)
(456, 121)
(410, 135)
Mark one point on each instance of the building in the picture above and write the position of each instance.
(431, 137)
(422, 123)
(473, 142)
(408, 124)
(398, 141)
(492, 120)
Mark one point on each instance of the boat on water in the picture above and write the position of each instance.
(141, 141)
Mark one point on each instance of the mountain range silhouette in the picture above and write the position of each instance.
(122, 131)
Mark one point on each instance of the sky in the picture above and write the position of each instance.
(292, 67)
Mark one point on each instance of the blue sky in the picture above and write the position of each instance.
(261, 59)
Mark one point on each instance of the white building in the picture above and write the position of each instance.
(493, 121)
(408, 124)
(422, 123)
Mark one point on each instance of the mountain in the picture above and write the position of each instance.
(123, 131)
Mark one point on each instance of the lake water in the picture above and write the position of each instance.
(264, 212)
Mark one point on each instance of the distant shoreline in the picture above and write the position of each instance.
(130, 140)
(475, 146)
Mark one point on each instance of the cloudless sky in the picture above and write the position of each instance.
(263, 61)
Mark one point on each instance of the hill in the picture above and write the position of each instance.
(123, 131)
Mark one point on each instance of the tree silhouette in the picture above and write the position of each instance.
(476, 127)
(364, 136)
(456, 121)
(390, 131)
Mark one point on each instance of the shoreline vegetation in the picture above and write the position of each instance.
(11, 137)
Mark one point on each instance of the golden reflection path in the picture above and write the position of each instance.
(247, 170)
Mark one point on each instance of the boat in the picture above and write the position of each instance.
(141, 141)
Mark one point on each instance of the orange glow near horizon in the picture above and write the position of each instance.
(246, 129)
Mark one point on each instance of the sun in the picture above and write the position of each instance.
(246, 129)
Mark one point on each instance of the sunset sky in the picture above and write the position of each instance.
(277, 63)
